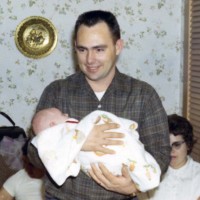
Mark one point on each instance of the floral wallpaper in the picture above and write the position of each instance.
(152, 31)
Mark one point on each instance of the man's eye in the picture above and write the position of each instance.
(100, 49)
(80, 49)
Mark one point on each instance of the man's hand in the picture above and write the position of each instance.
(121, 184)
(101, 136)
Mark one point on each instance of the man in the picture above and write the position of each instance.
(99, 85)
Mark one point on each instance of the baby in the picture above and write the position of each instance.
(59, 140)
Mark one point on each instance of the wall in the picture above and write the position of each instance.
(152, 32)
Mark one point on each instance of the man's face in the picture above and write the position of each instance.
(97, 53)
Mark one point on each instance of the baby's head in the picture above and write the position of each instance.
(47, 118)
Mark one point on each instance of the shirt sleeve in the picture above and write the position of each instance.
(11, 183)
(46, 101)
(154, 130)
(50, 96)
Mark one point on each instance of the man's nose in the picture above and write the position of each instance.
(90, 56)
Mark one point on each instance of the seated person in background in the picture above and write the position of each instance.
(26, 184)
(59, 140)
(182, 179)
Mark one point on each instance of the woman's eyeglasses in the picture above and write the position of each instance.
(177, 145)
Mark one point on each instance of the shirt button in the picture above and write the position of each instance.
(99, 106)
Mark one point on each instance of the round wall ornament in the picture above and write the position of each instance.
(36, 37)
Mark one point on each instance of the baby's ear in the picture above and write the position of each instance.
(52, 124)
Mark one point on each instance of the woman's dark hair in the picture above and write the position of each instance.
(181, 126)
(91, 18)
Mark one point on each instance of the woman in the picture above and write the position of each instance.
(26, 184)
(182, 179)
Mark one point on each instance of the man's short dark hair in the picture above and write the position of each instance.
(94, 17)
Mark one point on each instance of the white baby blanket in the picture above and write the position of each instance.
(59, 149)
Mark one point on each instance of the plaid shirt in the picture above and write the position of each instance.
(125, 97)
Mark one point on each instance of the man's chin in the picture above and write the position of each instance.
(93, 77)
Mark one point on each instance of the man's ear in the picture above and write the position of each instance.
(119, 46)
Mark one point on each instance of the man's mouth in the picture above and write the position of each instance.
(92, 69)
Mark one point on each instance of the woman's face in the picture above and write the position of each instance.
(178, 152)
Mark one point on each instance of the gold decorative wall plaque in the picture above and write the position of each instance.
(36, 37)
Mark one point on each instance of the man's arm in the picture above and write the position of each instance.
(4, 195)
(154, 131)
(155, 135)
(96, 141)
(34, 157)
(46, 101)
